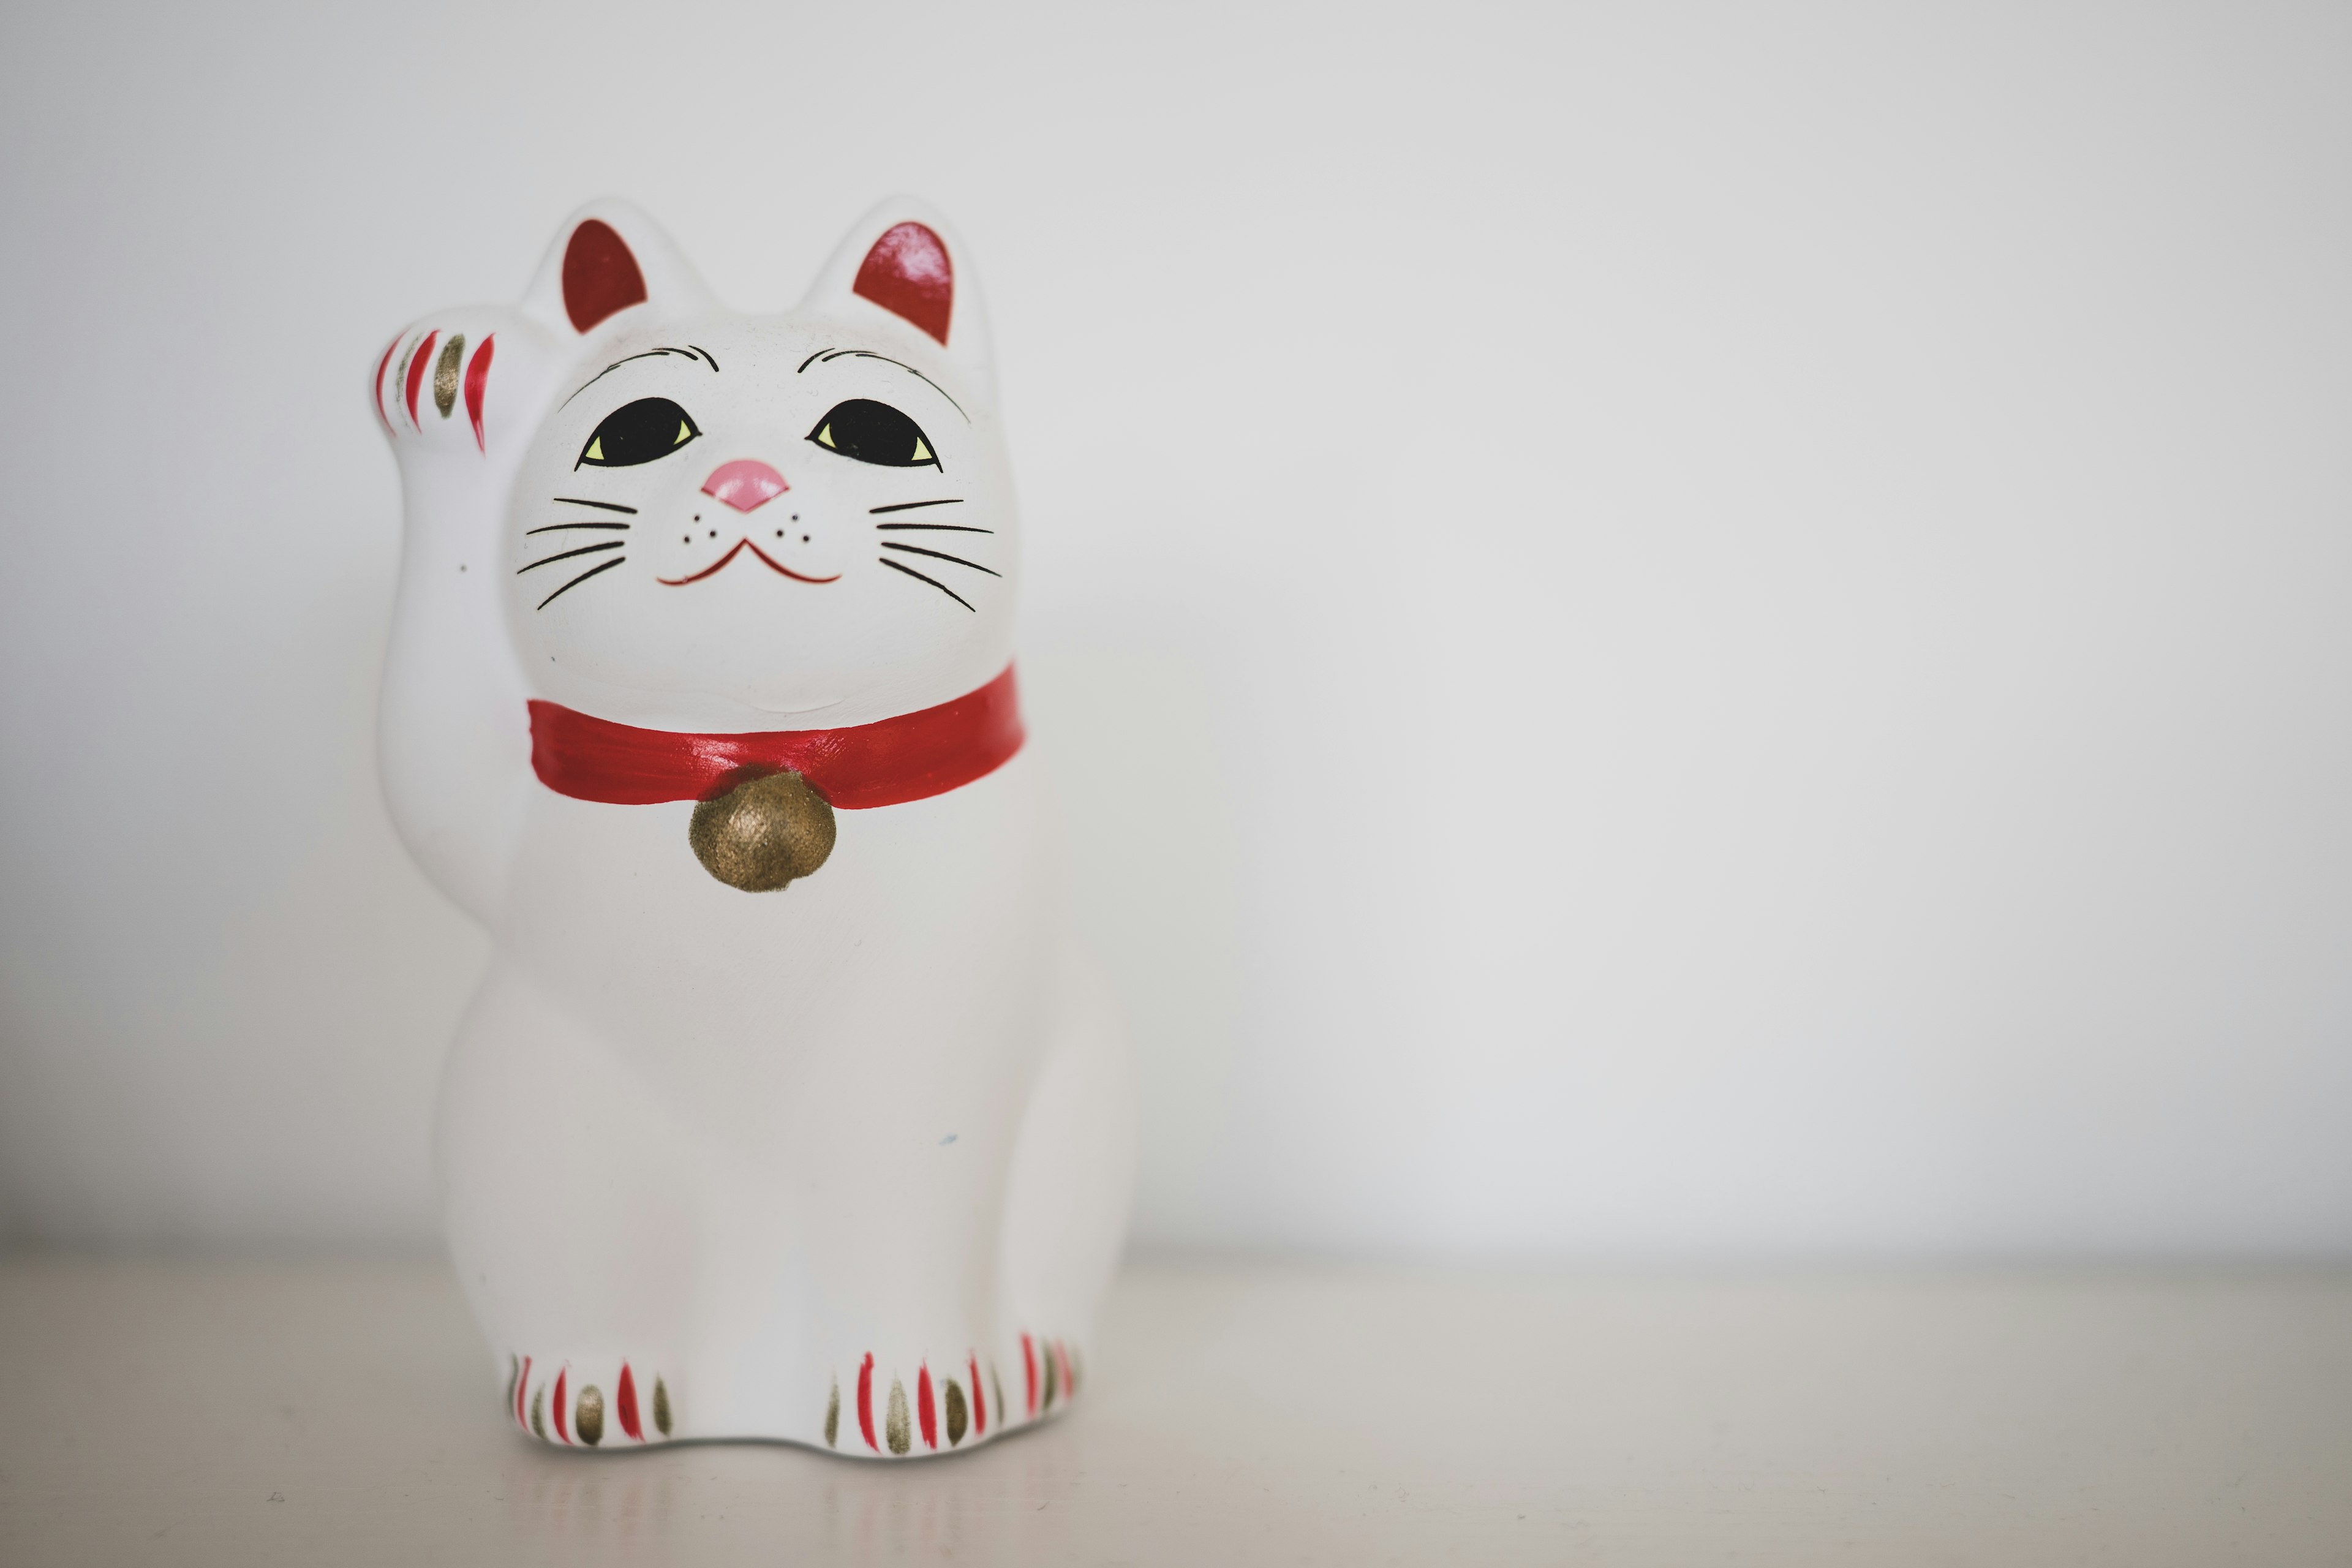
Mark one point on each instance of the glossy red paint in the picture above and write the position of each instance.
(560, 1430)
(1029, 1366)
(625, 1404)
(865, 1402)
(907, 273)
(522, 1387)
(417, 363)
(381, 366)
(923, 1415)
(1062, 1359)
(979, 1401)
(911, 757)
(600, 275)
(478, 381)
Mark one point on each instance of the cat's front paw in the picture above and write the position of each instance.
(582, 1402)
(893, 1414)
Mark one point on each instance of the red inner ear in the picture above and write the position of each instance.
(907, 274)
(600, 276)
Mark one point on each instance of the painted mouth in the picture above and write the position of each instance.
(740, 546)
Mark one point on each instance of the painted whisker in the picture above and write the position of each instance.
(934, 582)
(599, 505)
(560, 527)
(912, 505)
(607, 566)
(937, 527)
(583, 550)
(940, 555)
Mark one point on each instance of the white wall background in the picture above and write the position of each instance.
(1667, 632)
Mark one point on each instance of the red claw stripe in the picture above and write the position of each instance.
(560, 1430)
(625, 1402)
(522, 1387)
(381, 365)
(866, 1402)
(477, 379)
(923, 1407)
(1029, 1367)
(417, 363)
(979, 1401)
(1062, 1359)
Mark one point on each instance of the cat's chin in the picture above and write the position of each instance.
(809, 698)
(656, 706)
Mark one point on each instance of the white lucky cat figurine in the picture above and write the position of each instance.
(788, 1108)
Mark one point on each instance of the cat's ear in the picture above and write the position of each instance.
(610, 266)
(903, 264)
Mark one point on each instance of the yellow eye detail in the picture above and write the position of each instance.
(685, 433)
(596, 452)
(922, 453)
(824, 435)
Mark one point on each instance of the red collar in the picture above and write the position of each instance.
(887, 763)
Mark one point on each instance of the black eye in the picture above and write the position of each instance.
(638, 432)
(873, 433)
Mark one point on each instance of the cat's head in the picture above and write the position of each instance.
(717, 522)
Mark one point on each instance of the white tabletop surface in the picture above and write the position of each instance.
(1238, 1413)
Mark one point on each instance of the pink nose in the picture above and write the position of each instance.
(744, 484)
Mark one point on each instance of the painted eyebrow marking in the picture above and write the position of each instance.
(649, 353)
(829, 355)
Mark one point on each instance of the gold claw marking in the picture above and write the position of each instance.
(538, 1412)
(953, 1399)
(588, 1416)
(445, 374)
(833, 1414)
(1050, 1383)
(661, 1408)
(895, 1428)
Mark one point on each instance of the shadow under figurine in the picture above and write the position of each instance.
(788, 1107)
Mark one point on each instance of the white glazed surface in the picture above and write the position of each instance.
(743, 1142)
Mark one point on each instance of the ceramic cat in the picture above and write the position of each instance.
(788, 1108)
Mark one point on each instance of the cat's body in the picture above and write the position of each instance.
(844, 1162)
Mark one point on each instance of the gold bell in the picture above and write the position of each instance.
(763, 834)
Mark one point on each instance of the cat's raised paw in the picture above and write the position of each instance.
(587, 1402)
